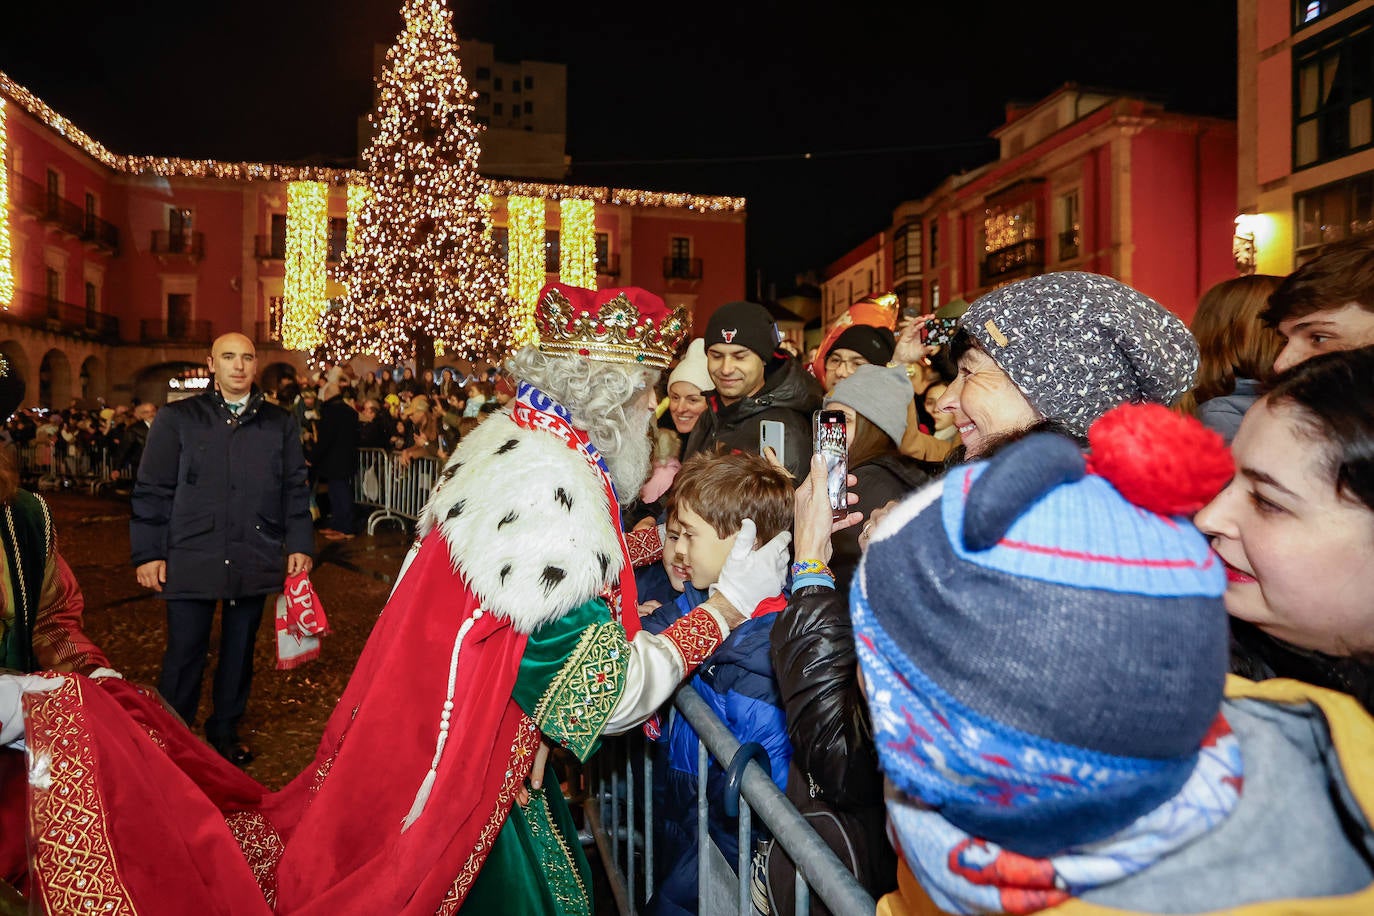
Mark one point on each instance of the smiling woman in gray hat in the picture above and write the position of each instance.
(1061, 350)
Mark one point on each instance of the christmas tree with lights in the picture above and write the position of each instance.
(421, 267)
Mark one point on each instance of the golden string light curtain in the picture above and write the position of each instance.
(6, 254)
(525, 240)
(577, 243)
(307, 249)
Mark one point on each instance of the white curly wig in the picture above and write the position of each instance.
(601, 397)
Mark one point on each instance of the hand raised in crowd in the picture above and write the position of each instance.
(750, 575)
(813, 521)
(910, 348)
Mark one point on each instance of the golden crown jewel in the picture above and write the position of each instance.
(615, 333)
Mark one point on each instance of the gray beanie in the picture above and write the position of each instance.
(880, 395)
(1078, 344)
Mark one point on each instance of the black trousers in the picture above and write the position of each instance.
(341, 505)
(183, 664)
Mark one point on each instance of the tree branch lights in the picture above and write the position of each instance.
(525, 237)
(577, 243)
(6, 253)
(307, 247)
(357, 196)
(422, 267)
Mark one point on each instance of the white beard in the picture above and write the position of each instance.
(629, 466)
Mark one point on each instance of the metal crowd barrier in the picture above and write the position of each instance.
(45, 468)
(393, 492)
(620, 815)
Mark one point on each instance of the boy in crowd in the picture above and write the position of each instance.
(1327, 304)
(721, 503)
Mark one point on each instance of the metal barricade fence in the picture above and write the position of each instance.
(393, 492)
(620, 815)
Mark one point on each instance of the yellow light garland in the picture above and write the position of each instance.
(525, 238)
(357, 196)
(577, 243)
(307, 247)
(6, 254)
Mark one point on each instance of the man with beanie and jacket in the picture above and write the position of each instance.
(754, 382)
(859, 345)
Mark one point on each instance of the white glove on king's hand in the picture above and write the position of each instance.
(12, 690)
(750, 576)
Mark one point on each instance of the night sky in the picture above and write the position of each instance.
(708, 97)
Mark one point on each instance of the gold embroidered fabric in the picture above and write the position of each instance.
(261, 846)
(575, 708)
(695, 637)
(72, 848)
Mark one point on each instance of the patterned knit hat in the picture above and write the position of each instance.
(1078, 344)
(1042, 637)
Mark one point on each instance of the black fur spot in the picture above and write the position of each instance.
(457, 509)
(551, 577)
(450, 471)
(510, 517)
(505, 571)
(564, 498)
(510, 444)
(605, 562)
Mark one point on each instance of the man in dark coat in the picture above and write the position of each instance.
(221, 495)
(336, 456)
(754, 382)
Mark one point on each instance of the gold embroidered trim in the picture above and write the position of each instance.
(586, 689)
(695, 637)
(521, 759)
(560, 868)
(261, 846)
(74, 864)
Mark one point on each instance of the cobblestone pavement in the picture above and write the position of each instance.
(288, 709)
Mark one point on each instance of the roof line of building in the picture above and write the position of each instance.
(173, 167)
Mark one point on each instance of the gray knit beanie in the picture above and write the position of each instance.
(1078, 344)
(880, 395)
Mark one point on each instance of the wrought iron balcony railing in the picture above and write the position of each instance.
(100, 232)
(1068, 245)
(39, 310)
(681, 268)
(190, 244)
(175, 331)
(1027, 255)
(269, 248)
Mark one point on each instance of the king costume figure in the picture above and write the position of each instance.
(512, 626)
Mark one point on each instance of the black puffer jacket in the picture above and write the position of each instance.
(221, 498)
(835, 782)
(1258, 656)
(789, 395)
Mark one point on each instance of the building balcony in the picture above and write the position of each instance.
(1068, 245)
(177, 332)
(681, 268)
(268, 248)
(1027, 256)
(609, 266)
(46, 313)
(101, 233)
(186, 244)
(36, 200)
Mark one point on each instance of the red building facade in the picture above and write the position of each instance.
(125, 268)
(1089, 181)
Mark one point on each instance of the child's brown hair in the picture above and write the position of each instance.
(724, 489)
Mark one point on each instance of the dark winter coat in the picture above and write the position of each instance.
(1258, 656)
(789, 394)
(336, 441)
(737, 683)
(221, 498)
(835, 782)
(880, 480)
(131, 442)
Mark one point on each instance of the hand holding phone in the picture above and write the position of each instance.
(772, 434)
(831, 443)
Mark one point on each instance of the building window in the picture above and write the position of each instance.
(551, 251)
(1066, 214)
(1306, 12)
(338, 237)
(92, 303)
(906, 250)
(603, 252)
(498, 109)
(934, 295)
(1334, 212)
(278, 236)
(909, 297)
(529, 82)
(529, 107)
(934, 242)
(500, 242)
(1333, 94)
(498, 84)
(276, 307)
(484, 73)
(514, 85)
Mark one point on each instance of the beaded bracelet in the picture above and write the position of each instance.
(811, 567)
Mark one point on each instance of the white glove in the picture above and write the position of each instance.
(105, 672)
(750, 576)
(12, 690)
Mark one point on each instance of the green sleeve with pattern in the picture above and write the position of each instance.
(572, 675)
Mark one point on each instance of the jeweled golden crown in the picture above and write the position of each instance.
(617, 332)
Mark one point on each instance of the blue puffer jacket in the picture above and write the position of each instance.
(737, 682)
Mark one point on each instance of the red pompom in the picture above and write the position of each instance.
(1159, 460)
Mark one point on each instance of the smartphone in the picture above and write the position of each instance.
(828, 430)
(938, 332)
(772, 435)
